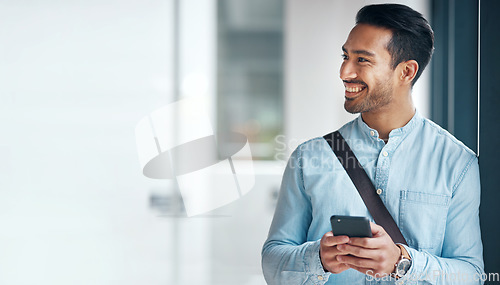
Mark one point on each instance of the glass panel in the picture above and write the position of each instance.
(250, 71)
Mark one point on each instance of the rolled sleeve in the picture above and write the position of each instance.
(313, 266)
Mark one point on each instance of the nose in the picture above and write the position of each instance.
(348, 70)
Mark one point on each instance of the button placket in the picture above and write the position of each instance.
(382, 172)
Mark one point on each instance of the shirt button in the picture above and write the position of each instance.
(320, 278)
(379, 191)
(372, 133)
(385, 153)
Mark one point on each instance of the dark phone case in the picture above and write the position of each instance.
(350, 226)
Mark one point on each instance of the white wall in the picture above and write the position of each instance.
(315, 33)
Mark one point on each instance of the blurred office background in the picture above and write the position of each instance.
(77, 76)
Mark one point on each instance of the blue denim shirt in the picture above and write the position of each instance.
(430, 185)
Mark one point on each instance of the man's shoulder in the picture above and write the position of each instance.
(319, 143)
(443, 138)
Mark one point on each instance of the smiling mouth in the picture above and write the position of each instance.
(354, 89)
(352, 92)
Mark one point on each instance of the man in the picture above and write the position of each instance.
(427, 179)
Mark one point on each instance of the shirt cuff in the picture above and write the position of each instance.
(313, 267)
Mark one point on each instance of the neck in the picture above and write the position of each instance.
(390, 117)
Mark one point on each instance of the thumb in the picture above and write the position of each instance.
(377, 230)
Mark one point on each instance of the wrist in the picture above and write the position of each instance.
(404, 252)
(403, 264)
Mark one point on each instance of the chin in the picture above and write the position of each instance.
(351, 109)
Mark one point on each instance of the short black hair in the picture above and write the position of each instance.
(412, 36)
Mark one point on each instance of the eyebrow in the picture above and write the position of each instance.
(363, 52)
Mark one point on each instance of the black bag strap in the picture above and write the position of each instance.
(364, 185)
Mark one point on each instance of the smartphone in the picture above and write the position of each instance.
(350, 226)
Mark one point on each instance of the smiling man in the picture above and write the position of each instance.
(426, 178)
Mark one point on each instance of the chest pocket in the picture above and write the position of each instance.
(422, 219)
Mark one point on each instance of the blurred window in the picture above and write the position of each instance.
(250, 71)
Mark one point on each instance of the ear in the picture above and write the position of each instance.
(408, 71)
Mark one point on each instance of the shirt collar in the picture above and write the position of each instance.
(415, 121)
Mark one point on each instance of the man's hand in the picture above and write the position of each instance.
(328, 252)
(374, 256)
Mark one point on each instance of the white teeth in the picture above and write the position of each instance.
(353, 89)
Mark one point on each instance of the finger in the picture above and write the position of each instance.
(330, 252)
(328, 234)
(379, 239)
(357, 261)
(329, 239)
(357, 251)
(330, 262)
(370, 243)
(334, 266)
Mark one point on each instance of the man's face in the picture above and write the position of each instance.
(367, 69)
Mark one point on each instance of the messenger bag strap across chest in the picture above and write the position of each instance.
(364, 186)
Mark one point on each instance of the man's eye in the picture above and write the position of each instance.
(344, 57)
(362, 59)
